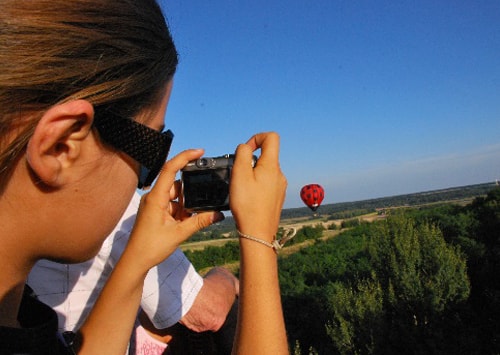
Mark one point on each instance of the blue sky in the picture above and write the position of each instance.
(371, 98)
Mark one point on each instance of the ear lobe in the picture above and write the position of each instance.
(57, 139)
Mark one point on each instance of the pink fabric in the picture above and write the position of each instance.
(146, 345)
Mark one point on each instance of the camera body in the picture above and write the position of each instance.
(205, 183)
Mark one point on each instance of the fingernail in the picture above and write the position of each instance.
(217, 217)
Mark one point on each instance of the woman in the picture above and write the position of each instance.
(84, 87)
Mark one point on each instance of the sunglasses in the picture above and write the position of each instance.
(145, 145)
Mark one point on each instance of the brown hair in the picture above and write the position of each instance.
(117, 54)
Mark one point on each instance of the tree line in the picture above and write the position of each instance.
(412, 199)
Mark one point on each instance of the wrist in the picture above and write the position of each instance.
(270, 242)
(267, 242)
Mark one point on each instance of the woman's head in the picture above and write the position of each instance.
(65, 66)
(116, 54)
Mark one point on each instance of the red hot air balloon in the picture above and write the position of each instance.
(312, 195)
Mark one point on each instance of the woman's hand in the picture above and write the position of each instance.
(257, 194)
(256, 198)
(162, 224)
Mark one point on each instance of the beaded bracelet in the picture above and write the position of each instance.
(276, 244)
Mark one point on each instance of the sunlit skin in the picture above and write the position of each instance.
(68, 176)
(157, 233)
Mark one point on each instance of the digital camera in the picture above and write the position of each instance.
(205, 183)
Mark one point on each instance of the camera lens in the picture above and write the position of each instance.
(204, 163)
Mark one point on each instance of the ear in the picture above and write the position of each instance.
(56, 142)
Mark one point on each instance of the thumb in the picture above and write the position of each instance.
(199, 221)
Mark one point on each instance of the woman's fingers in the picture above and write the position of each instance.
(257, 194)
(162, 224)
(269, 143)
(161, 191)
(198, 222)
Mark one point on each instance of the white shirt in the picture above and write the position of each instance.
(72, 289)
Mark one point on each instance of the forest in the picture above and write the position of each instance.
(424, 280)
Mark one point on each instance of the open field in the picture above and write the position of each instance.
(296, 223)
(234, 266)
(205, 243)
(300, 217)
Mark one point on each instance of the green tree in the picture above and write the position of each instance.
(214, 256)
(484, 269)
(358, 317)
(410, 302)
